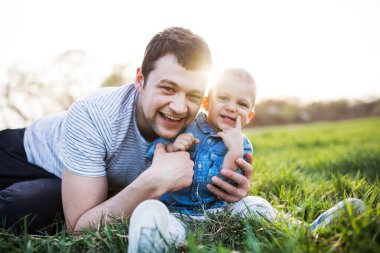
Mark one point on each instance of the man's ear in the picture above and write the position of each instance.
(139, 80)
(251, 115)
(205, 103)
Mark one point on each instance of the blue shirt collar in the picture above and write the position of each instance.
(203, 124)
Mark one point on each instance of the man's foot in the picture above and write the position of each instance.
(350, 206)
(148, 227)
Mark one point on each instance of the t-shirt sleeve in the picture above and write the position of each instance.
(83, 143)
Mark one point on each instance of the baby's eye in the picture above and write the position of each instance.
(223, 98)
(245, 105)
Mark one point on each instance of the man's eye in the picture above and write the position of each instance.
(168, 89)
(194, 97)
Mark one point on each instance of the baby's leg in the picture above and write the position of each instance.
(345, 208)
(259, 207)
(253, 205)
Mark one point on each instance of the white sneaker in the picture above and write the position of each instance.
(148, 227)
(343, 208)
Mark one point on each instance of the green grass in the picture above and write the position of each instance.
(302, 170)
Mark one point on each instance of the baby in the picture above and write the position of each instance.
(214, 140)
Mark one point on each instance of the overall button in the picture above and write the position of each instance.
(199, 166)
(209, 141)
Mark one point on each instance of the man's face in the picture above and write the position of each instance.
(169, 99)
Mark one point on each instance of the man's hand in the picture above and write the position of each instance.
(233, 139)
(229, 192)
(171, 171)
(183, 142)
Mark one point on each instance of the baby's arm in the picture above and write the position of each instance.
(233, 140)
(182, 143)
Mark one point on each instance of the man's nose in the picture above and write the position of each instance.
(178, 105)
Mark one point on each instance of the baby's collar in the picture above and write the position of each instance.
(203, 125)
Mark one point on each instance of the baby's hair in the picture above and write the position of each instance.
(240, 74)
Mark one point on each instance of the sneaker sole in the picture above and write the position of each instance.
(150, 218)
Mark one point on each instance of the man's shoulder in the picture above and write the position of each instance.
(108, 113)
(110, 102)
(109, 94)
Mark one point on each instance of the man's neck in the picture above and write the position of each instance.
(142, 124)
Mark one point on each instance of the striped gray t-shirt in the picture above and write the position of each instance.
(97, 136)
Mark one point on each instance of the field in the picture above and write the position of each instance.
(302, 170)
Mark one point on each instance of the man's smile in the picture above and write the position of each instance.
(170, 117)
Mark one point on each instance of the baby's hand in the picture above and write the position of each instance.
(233, 138)
(183, 142)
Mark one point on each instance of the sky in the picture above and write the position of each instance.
(314, 50)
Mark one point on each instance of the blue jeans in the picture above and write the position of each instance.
(26, 190)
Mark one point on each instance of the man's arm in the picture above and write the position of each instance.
(85, 199)
(86, 205)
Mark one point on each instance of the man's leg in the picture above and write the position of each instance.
(36, 202)
(25, 189)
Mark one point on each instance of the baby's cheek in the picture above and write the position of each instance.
(244, 119)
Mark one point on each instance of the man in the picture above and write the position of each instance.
(98, 146)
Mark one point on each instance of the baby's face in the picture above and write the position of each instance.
(228, 99)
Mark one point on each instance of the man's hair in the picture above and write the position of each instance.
(191, 50)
